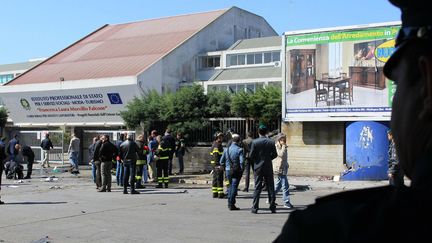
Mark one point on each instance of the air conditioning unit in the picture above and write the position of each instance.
(277, 64)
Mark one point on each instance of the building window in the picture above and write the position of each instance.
(240, 87)
(4, 78)
(241, 59)
(258, 58)
(233, 60)
(276, 56)
(253, 58)
(275, 84)
(267, 57)
(210, 62)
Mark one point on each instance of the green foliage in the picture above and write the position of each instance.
(188, 103)
(239, 104)
(264, 105)
(219, 104)
(272, 108)
(186, 109)
(3, 116)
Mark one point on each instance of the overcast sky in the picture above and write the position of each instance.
(40, 28)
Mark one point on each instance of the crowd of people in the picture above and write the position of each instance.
(266, 158)
(137, 161)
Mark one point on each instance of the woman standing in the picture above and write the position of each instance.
(280, 168)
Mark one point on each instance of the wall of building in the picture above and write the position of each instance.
(151, 79)
(315, 148)
(179, 66)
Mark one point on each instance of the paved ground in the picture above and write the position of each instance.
(68, 209)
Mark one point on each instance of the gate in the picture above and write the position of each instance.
(34, 139)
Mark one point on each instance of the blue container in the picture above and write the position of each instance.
(366, 147)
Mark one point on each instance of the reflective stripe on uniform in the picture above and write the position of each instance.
(138, 177)
(215, 189)
(216, 151)
(160, 179)
(165, 157)
(166, 179)
(141, 162)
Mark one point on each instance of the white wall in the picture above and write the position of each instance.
(180, 66)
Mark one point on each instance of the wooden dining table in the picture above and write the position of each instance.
(332, 83)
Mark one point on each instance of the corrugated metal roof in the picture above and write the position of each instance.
(273, 41)
(18, 66)
(248, 73)
(119, 50)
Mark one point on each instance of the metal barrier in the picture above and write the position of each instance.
(34, 139)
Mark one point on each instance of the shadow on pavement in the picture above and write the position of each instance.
(32, 203)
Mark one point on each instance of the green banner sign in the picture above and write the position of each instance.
(391, 91)
(342, 36)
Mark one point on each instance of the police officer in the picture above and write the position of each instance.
(263, 151)
(218, 172)
(388, 214)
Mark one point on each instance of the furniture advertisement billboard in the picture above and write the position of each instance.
(336, 74)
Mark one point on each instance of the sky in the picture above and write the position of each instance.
(33, 29)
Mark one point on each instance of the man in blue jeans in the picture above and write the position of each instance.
(233, 161)
(128, 151)
(119, 167)
(73, 151)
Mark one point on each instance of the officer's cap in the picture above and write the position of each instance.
(416, 25)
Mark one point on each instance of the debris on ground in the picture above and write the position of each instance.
(19, 182)
(46, 239)
(50, 179)
(56, 187)
(302, 187)
(185, 191)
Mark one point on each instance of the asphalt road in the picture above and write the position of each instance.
(69, 209)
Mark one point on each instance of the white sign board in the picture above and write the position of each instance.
(337, 74)
(89, 105)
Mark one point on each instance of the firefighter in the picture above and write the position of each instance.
(162, 159)
(218, 172)
(141, 161)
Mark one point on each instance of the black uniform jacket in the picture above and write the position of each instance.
(382, 214)
(263, 151)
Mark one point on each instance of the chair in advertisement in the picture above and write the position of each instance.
(321, 93)
(345, 91)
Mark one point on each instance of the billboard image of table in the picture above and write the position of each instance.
(337, 73)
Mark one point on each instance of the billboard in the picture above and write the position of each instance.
(100, 105)
(336, 74)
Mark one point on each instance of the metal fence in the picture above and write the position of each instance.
(34, 139)
(205, 136)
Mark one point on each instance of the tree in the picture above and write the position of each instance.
(183, 110)
(239, 104)
(144, 110)
(272, 98)
(219, 104)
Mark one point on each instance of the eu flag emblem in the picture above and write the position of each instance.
(114, 98)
